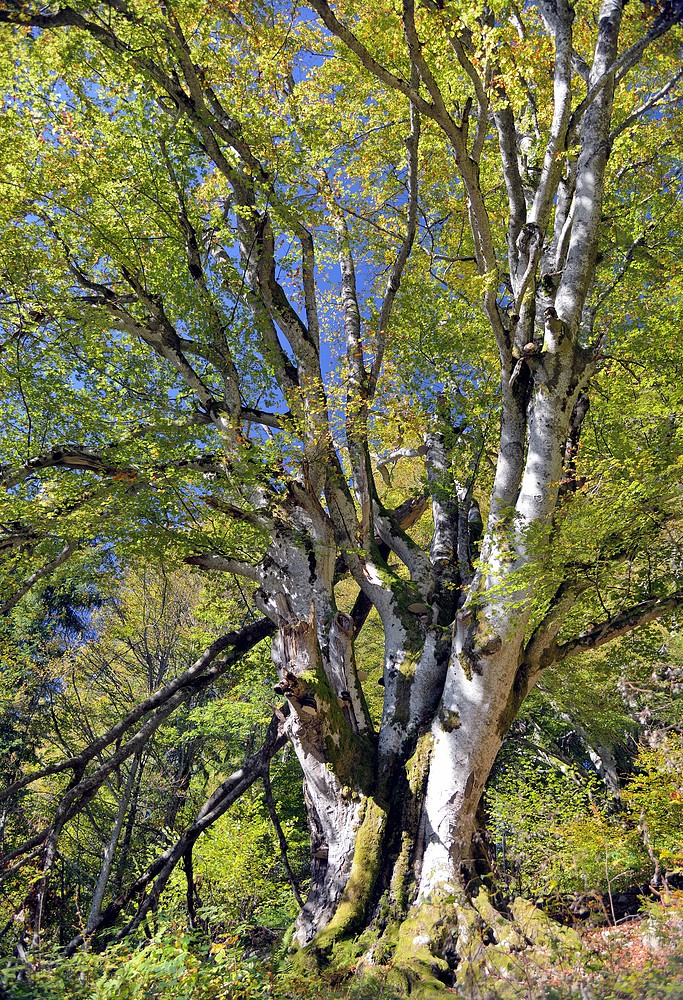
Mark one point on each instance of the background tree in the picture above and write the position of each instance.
(247, 253)
(148, 634)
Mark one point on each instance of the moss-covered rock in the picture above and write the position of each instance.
(505, 932)
(540, 930)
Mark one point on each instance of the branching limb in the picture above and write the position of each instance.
(564, 216)
(441, 113)
(617, 69)
(82, 457)
(219, 353)
(391, 458)
(569, 482)
(480, 92)
(308, 280)
(413, 557)
(529, 247)
(507, 141)
(620, 624)
(158, 873)
(445, 514)
(158, 332)
(540, 647)
(561, 20)
(257, 519)
(39, 574)
(278, 421)
(357, 375)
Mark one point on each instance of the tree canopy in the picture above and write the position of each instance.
(363, 311)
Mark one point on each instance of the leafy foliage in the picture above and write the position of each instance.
(274, 279)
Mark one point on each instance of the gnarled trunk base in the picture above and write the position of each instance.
(451, 942)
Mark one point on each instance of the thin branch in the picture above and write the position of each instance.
(238, 642)
(394, 281)
(333, 24)
(590, 312)
(282, 840)
(620, 624)
(646, 106)
(43, 571)
(159, 871)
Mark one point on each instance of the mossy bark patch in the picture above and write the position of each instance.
(365, 867)
(417, 772)
(418, 965)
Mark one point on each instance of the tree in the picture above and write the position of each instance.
(258, 255)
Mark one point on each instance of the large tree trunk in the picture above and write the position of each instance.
(329, 732)
(400, 866)
(395, 816)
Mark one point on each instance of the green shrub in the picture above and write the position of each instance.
(174, 965)
(654, 796)
(552, 837)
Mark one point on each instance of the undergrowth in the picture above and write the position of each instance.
(641, 959)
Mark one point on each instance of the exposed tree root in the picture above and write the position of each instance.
(454, 943)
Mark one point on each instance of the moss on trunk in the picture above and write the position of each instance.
(450, 942)
(417, 770)
(367, 859)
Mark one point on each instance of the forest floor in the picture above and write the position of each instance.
(640, 957)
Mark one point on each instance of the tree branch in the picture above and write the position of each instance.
(507, 140)
(185, 684)
(220, 352)
(159, 871)
(620, 624)
(44, 570)
(562, 98)
(214, 561)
